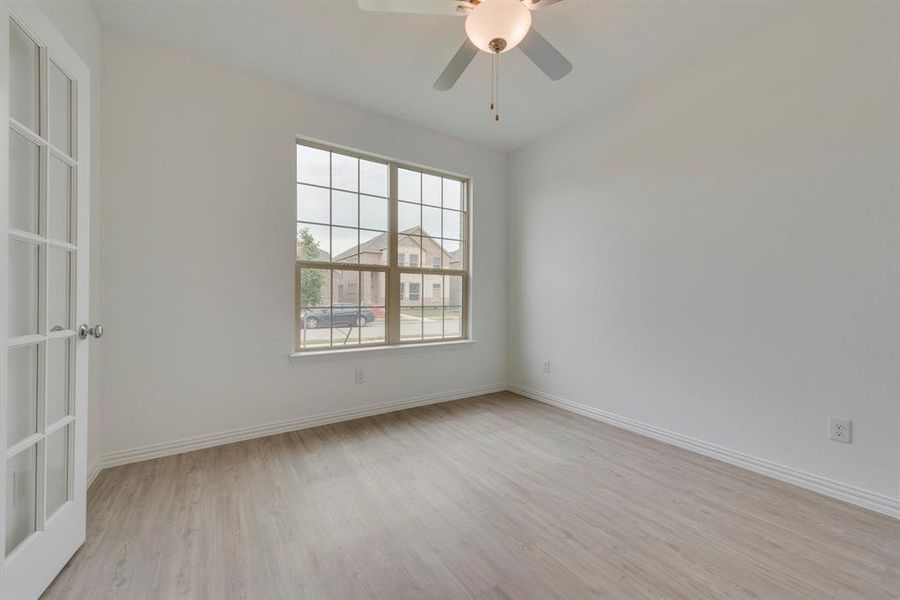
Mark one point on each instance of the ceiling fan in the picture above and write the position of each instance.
(493, 26)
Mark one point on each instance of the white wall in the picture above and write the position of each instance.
(198, 252)
(77, 23)
(719, 256)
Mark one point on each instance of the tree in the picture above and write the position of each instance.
(311, 280)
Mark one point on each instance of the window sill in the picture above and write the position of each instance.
(349, 353)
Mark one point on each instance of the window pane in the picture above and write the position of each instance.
(344, 209)
(409, 186)
(408, 245)
(431, 190)
(373, 213)
(431, 221)
(408, 216)
(315, 287)
(453, 254)
(432, 322)
(373, 178)
(344, 331)
(373, 288)
(312, 204)
(23, 183)
(313, 166)
(430, 255)
(411, 284)
(21, 493)
(452, 322)
(59, 199)
(453, 194)
(453, 290)
(22, 390)
(314, 327)
(453, 224)
(23, 67)
(411, 323)
(345, 244)
(345, 289)
(373, 331)
(57, 380)
(431, 290)
(373, 247)
(23, 288)
(344, 172)
(59, 108)
(58, 289)
(313, 242)
(57, 469)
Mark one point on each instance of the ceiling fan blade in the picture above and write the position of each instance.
(536, 4)
(457, 65)
(545, 56)
(424, 7)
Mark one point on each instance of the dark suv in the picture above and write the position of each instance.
(340, 315)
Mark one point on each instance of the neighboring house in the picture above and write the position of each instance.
(415, 249)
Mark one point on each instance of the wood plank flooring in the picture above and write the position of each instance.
(494, 497)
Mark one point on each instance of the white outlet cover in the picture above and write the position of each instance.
(840, 430)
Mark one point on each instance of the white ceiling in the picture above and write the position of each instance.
(387, 62)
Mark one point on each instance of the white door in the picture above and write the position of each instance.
(44, 154)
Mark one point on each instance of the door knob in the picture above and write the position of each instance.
(84, 331)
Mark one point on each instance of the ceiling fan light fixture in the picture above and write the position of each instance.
(497, 26)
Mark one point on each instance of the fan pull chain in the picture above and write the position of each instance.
(497, 111)
(492, 82)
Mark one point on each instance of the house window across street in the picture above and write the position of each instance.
(371, 235)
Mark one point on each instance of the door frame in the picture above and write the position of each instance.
(38, 559)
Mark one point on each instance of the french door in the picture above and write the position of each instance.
(44, 154)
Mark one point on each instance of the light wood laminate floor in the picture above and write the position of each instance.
(493, 497)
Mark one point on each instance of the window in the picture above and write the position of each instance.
(366, 228)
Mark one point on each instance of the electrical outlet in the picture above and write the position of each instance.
(359, 376)
(839, 430)
(546, 368)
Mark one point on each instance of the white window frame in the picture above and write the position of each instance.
(395, 267)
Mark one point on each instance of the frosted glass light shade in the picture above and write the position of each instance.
(509, 20)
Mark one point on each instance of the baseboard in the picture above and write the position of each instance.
(131, 455)
(93, 471)
(882, 504)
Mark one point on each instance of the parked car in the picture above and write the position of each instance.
(340, 315)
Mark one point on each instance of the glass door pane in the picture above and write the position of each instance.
(57, 469)
(21, 393)
(21, 496)
(58, 371)
(24, 156)
(23, 288)
(24, 74)
(59, 280)
(59, 200)
(59, 100)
